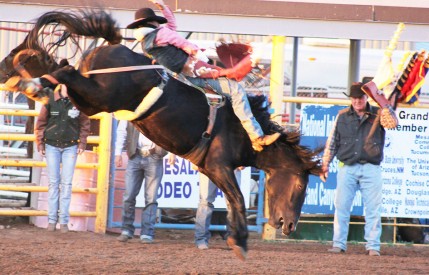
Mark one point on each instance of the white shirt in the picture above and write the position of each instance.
(121, 135)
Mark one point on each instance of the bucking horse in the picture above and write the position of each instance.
(178, 120)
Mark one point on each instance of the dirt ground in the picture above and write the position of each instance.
(26, 249)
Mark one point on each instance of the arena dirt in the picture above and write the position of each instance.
(25, 249)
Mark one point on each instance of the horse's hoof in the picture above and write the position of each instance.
(238, 250)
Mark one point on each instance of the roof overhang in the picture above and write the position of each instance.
(256, 17)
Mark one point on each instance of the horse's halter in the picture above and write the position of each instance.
(12, 71)
(18, 66)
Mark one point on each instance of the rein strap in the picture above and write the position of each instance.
(124, 69)
(50, 78)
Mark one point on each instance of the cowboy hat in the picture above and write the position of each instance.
(355, 90)
(144, 15)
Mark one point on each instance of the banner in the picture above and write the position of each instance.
(405, 168)
(316, 124)
(180, 187)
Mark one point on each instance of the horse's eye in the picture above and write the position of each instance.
(300, 186)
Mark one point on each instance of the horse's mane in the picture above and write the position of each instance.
(260, 109)
(25, 45)
(310, 159)
(289, 139)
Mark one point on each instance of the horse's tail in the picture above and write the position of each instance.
(91, 23)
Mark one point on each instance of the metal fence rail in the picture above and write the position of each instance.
(102, 167)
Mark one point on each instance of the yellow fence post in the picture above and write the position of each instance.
(276, 96)
(104, 150)
(277, 77)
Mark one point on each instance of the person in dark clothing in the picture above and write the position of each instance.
(144, 166)
(61, 132)
(357, 140)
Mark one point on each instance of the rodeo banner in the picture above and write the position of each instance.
(405, 166)
(180, 187)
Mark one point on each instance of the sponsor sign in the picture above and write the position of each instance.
(405, 168)
(180, 187)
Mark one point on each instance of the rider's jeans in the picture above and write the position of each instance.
(240, 104)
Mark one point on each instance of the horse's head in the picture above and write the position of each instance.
(35, 62)
(288, 166)
(21, 65)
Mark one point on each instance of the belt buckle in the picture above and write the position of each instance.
(145, 153)
(362, 162)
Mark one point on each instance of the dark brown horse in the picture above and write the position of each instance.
(177, 120)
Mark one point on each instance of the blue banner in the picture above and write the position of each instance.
(316, 124)
(405, 167)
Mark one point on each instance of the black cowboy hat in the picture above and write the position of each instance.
(144, 15)
(355, 90)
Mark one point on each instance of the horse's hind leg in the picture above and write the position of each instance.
(237, 224)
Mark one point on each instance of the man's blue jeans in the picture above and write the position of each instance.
(60, 181)
(350, 178)
(138, 169)
(208, 193)
(204, 213)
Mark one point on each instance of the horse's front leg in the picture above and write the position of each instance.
(33, 88)
(237, 224)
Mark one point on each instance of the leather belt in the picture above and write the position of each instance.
(146, 152)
